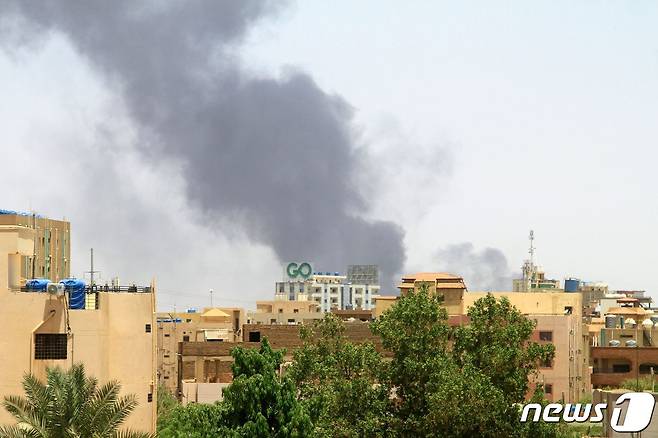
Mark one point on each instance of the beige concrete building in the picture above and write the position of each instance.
(213, 324)
(50, 254)
(114, 340)
(559, 321)
(450, 287)
(285, 312)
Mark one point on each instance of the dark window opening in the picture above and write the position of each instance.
(167, 335)
(254, 336)
(546, 363)
(546, 336)
(621, 368)
(149, 398)
(186, 338)
(148, 328)
(50, 346)
(548, 388)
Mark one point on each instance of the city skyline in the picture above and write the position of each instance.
(459, 139)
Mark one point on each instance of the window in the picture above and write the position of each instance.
(254, 336)
(280, 310)
(568, 310)
(186, 338)
(273, 321)
(296, 311)
(291, 321)
(546, 336)
(621, 368)
(546, 363)
(548, 388)
(166, 355)
(50, 346)
(149, 397)
(147, 328)
(167, 335)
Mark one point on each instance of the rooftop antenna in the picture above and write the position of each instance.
(532, 248)
(91, 271)
(211, 291)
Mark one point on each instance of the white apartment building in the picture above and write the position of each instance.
(331, 290)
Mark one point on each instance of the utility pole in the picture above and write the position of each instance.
(91, 271)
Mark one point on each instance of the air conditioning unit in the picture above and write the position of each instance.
(55, 289)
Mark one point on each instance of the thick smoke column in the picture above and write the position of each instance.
(486, 270)
(277, 155)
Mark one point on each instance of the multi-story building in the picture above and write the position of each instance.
(50, 254)
(559, 321)
(214, 324)
(284, 312)
(624, 342)
(448, 286)
(359, 289)
(558, 316)
(112, 336)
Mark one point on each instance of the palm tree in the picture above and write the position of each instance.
(69, 405)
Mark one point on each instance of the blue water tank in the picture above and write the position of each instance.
(37, 284)
(76, 291)
(571, 285)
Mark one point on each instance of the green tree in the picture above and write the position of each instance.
(69, 404)
(340, 383)
(415, 329)
(460, 382)
(259, 403)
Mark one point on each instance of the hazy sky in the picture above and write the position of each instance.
(471, 124)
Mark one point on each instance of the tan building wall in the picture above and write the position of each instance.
(115, 342)
(49, 254)
(218, 324)
(284, 312)
(450, 287)
(559, 317)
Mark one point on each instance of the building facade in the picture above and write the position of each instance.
(50, 254)
(216, 324)
(558, 317)
(358, 289)
(114, 338)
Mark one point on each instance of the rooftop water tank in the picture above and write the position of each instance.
(647, 323)
(630, 322)
(76, 291)
(610, 321)
(571, 285)
(37, 284)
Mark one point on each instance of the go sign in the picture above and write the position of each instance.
(302, 270)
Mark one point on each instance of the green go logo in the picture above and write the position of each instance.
(303, 270)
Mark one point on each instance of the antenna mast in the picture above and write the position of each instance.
(91, 271)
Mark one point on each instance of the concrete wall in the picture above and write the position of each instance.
(112, 341)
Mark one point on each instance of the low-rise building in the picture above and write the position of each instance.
(108, 329)
(213, 324)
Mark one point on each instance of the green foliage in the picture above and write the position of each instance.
(193, 421)
(462, 382)
(166, 403)
(340, 383)
(257, 404)
(644, 383)
(69, 404)
(416, 331)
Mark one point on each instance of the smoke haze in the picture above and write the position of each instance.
(275, 155)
